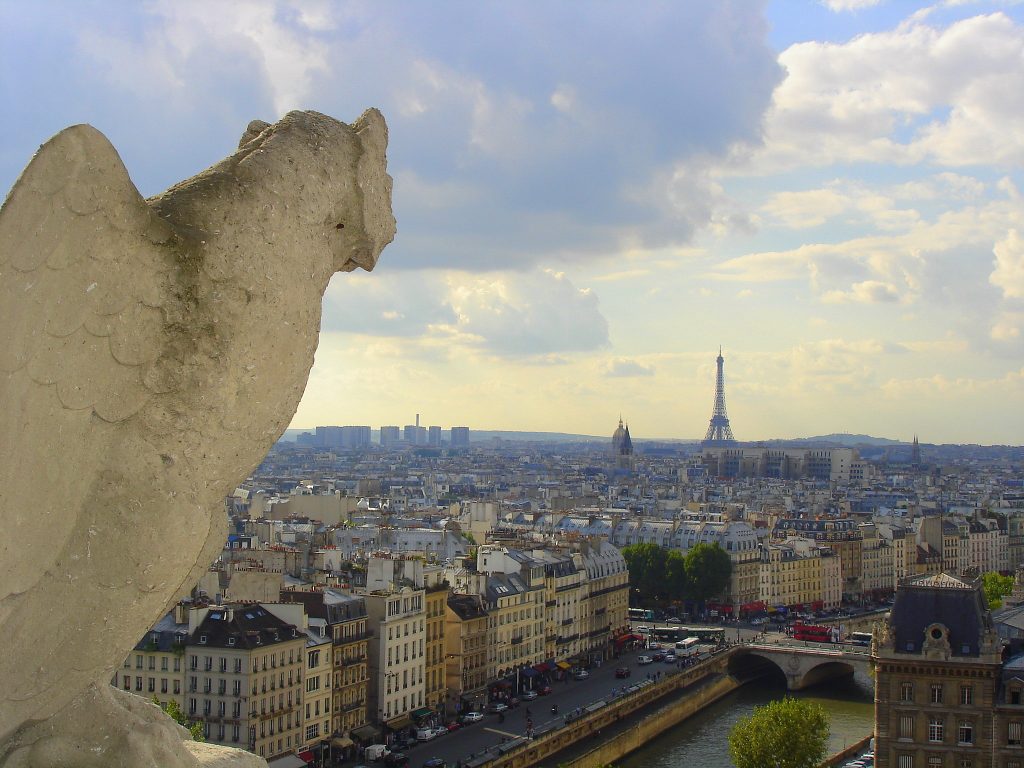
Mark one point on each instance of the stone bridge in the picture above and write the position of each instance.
(803, 665)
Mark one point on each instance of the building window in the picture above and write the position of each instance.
(138, 683)
(935, 728)
(904, 761)
(936, 693)
(965, 735)
(966, 762)
(1013, 734)
(966, 694)
(906, 691)
(907, 727)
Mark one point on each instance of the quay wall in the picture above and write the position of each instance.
(655, 724)
(709, 681)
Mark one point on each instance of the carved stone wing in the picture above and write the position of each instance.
(85, 268)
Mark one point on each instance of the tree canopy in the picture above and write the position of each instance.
(659, 575)
(996, 588)
(791, 733)
(708, 569)
(174, 712)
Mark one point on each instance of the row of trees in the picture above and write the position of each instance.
(658, 575)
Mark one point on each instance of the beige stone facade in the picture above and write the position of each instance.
(435, 684)
(466, 632)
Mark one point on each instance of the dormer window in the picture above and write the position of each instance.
(231, 641)
(202, 638)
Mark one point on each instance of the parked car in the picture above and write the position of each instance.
(544, 690)
(641, 660)
(580, 674)
(653, 646)
(528, 695)
(496, 707)
(623, 672)
(396, 760)
(454, 725)
(435, 762)
(674, 620)
(425, 734)
(659, 656)
(670, 658)
(471, 717)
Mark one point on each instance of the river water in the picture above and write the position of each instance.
(702, 740)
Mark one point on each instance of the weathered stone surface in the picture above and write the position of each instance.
(152, 352)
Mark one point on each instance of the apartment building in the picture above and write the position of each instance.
(466, 632)
(564, 592)
(343, 617)
(436, 605)
(605, 615)
(156, 666)
(244, 678)
(841, 535)
(396, 619)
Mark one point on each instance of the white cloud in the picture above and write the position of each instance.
(521, 315)
(866, 292)
(1008, 274)
(625, 367)
(806, 208)
(849, 5)
(952, 95)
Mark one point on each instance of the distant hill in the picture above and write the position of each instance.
(839, 439)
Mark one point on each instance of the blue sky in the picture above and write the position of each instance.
(590, 202)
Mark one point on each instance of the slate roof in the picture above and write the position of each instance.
(244, 626)
(466, 606)
(957, 603)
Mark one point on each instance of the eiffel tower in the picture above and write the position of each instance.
(719, 432)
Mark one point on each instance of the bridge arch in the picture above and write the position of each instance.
(799, 668)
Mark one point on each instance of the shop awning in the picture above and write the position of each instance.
(341, 742)
(366, 732)
(306, 756)
(400, 722)
(422, 712)
(564, 665)
(543, 667)
(529, 672)
(287, 761)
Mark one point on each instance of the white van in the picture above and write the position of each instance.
(376, 752)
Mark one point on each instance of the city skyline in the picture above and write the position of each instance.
(828, 190)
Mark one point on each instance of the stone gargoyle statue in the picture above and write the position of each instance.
(151, 353)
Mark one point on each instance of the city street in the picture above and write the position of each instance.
(473, 739)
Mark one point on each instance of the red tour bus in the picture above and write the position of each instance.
(814, 632)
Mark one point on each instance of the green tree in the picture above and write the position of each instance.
(996, 588)
(677, 584)
(646, 564)
(174, 712)
(791, 733)
(707, 571)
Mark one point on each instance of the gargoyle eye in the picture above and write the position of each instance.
(340, 226)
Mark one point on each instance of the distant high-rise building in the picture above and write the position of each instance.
(434, 436)
(719, 432)
(415, 434)
(342, 437)
(389, 436)
(460, 437)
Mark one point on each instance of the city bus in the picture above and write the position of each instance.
(860, 638)
(712, 635)
(641, 614)
(687, 648)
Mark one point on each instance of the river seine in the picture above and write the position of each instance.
(702, 740)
